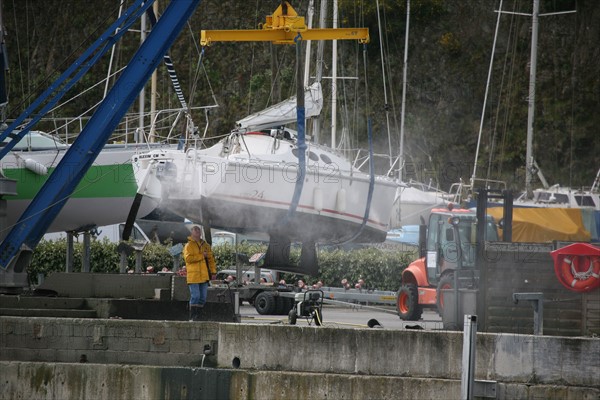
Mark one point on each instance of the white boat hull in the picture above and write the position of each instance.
(244, 193)
(412, 204)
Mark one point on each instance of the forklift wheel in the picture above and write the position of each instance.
(292, 316)
(407, 303)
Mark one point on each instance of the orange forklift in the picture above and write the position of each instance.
(449, 248)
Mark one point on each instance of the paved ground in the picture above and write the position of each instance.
(352, 316)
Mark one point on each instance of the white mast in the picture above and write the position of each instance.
(320, 47)
(140, 135)
(531, 100)
(334, 78)
(487, 87)
(404, 73)
(153, 89)
(383, 75)
(311, 12)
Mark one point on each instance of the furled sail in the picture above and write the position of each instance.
(285, 112)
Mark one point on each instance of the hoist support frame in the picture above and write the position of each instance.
(283, 27)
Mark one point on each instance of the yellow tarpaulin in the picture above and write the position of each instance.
(539, 225)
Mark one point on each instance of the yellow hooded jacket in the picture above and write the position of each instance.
(195, 262)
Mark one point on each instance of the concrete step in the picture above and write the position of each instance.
(42, 302)
(48, 312)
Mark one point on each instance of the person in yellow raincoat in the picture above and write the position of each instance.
(201, 267)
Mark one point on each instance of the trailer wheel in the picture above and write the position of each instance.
(446, 282)
(265, 303)
(407, 303)
(292, 316)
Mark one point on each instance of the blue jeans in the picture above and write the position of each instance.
(198, 293)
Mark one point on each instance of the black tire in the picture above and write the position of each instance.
(292, 317)
(407, 303)
(318, 317)
(446, 282)
(265, 303)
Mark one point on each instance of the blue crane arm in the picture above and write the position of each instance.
(42, 210)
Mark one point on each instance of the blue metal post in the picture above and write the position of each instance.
(301, 122)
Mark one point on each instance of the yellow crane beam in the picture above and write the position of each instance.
(281, 36)
(282, 27)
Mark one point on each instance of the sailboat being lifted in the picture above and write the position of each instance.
(263, 177)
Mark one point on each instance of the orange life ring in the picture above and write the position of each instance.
(578, 273)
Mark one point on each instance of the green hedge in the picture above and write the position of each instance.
(51, 255)
(380, 269)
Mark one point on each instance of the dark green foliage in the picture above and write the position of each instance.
(51, 256)
(380, 269)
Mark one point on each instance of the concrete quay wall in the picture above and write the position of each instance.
(38, 380)
(269, 361)
(500, 357)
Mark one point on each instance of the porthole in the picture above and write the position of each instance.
(325, 158)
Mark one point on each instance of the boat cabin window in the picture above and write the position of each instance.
(585, 201)
(549, 197)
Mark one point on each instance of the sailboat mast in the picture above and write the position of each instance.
(485, 97)
(404, 73)
(316, 131)
(142, 98)
(531, 99)
(153, 88)
(334, 78)
(309, 22)
(383, 75)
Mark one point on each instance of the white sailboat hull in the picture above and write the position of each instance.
(412, 204)
(252, 190)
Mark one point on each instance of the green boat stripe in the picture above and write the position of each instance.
(115, 180)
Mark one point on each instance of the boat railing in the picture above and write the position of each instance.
(361, 160)
(462, 191)
(163, 126)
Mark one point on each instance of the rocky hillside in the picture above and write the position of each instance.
(450, 45)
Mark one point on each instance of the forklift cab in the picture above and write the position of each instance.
(452, 242)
